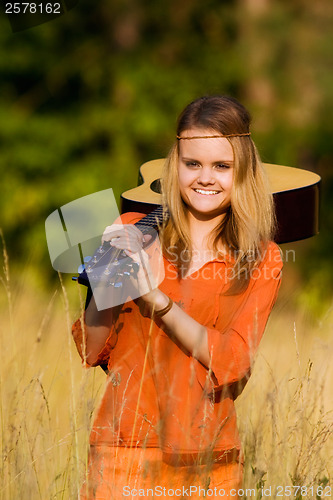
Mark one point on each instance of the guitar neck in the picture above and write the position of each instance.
(151, 221)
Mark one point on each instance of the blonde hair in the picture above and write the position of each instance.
(250, 220)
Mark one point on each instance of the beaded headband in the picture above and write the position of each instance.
(214, 136)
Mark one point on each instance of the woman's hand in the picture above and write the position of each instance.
(126, 237)
(131, 240)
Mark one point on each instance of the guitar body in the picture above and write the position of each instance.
(295, 192)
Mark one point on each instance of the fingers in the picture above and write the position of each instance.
(144, 280)
(126, 237)
(131, 240)
(116, 230)
(147, 237)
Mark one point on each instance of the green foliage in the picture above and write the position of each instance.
(88, 97)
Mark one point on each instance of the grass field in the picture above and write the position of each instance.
(47, 399)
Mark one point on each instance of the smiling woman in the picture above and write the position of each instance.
(179, 354)
(214, 152)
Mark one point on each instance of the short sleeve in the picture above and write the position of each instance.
(79, 336)
(232, 349)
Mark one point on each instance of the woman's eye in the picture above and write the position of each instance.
(192, 164)
(222, 166)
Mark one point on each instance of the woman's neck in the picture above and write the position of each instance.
(200, 231)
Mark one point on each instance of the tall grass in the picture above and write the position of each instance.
(47, 399)
(285, 414)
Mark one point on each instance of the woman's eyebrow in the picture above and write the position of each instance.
(229, 162)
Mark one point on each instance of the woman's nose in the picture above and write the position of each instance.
(206, 176)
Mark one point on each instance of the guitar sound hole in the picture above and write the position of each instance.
(156, 186)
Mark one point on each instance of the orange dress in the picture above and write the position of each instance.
(165, 419)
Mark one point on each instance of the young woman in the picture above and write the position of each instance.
(180, 354)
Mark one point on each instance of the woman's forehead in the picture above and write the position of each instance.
(202, 145)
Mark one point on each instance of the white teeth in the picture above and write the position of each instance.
(201, 191)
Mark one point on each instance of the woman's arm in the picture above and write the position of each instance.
(180, 326)
(97, 323)
(97, 330)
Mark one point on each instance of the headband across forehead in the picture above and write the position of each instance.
(213, 136)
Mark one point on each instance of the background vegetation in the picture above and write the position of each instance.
(86, 99)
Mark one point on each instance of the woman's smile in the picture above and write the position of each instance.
(205, 173)
(206, 192)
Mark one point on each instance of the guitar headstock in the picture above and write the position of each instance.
(108, 266)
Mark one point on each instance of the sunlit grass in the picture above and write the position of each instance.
(285, 414)
(47, 399)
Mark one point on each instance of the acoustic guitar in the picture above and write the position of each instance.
(296, 198)
(295, 192)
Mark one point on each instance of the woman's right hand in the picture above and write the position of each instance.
(131, 240)
(126, 237)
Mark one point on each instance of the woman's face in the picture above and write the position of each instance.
(205, 172)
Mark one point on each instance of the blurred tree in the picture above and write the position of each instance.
(88, 97)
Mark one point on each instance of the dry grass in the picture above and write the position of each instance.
(285, 413)
(47, 398)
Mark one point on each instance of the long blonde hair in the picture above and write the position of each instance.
(250, 220)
